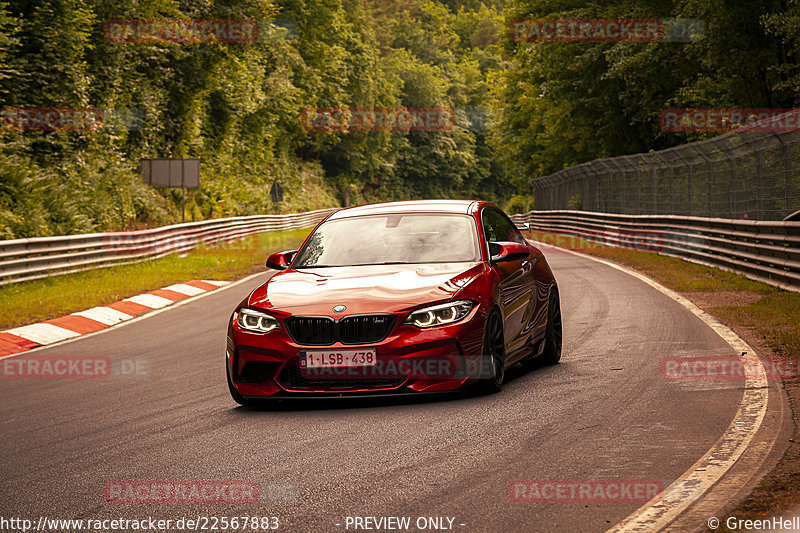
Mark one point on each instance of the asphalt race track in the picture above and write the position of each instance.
(605, 412)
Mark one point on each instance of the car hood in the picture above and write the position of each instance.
(362, 289)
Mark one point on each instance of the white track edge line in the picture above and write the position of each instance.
(716, 462)
(146, 314)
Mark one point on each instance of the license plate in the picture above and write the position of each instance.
(338, 358)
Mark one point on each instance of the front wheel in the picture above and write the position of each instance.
(493, 363)
(553, 330)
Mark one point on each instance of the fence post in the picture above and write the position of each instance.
(663, 165)
(655, 190)
(709, 171)
(585, 201)
(614, 170)
(639, 190)
(732, 182)
(584, 186)
(627, 178)
(671, 190)
(743, 136)
(759, 214)
(787, 174)
(610, 204)
(685, 163)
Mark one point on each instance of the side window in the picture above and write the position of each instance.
(489, 226)
(514, 235)
(498, 227)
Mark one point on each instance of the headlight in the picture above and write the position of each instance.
(256, 321)
(439, 315)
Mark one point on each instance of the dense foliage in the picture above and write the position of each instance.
(522, 109)
(238, 106)
(566, 103)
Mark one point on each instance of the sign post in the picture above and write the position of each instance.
(172, 174)
(277, 194)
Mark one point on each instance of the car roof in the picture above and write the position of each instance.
(413, 206)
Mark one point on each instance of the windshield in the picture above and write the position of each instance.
(391, 239)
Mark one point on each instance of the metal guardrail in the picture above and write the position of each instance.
(767, 251)
(40, 257)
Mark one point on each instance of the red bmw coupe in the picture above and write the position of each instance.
(401, 297)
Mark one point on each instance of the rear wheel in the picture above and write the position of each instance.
(494, 355)
(553, 332)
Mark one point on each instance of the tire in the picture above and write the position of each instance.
(553, 334)
(237, 397)
(494, 347)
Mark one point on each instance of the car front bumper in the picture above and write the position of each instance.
(409, 360)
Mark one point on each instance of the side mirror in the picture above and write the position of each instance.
(503, 252)
(281, 260)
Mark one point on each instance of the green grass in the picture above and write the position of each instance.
(776, 316)
(37, 300)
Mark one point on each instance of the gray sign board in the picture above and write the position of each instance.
(171, 173)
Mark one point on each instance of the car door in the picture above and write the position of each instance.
(516, 281)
